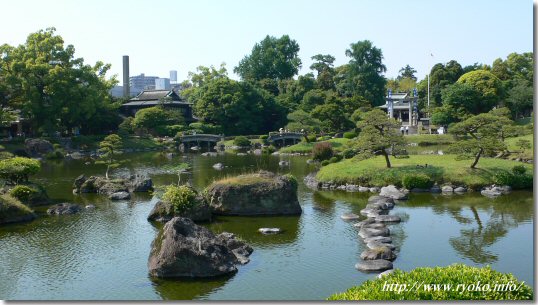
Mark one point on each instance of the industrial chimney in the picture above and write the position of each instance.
(126, 89)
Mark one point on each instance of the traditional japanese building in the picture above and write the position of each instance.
(403, 107)
(151, 98)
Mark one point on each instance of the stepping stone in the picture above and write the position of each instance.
(379, 239)
(374, 265)
(367, 221)
(374, 189)
(387, 218)
(385, 273)
(370, 212)
(376, 244)
(375, 225)
(378, 253)
(269, 230)
(460, 190)
(377, 198)
(392, 192)
(367, 232)
(350, 216)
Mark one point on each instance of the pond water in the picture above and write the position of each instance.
(102, 254)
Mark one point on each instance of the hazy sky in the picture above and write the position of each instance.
(161, 35)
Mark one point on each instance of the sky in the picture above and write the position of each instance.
(164, 35)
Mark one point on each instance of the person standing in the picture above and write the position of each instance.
(407, 130)
(402, 130)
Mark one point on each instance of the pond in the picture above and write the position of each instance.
(102, 254)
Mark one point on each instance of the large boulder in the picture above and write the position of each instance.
(262, 193)
(115, 189)
(184, 249)
(37, 147)
(392, 192)
(163, 211)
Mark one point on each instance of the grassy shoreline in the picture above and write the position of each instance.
(338, 144)
(442, 169)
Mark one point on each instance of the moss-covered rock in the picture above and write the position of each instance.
(180, 201)
(12, 210)
(30, 194)
(262, 193)
(108, 187)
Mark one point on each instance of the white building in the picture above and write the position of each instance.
(162, 84)
(141, 82)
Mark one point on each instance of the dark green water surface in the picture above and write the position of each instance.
(102, 254)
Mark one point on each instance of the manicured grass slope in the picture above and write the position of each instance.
(511, 143)
(441, 168)
(303, 147)
(457, 276)
(430, 139)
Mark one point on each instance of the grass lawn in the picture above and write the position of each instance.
(338, 144)
(441, 169)
(430, 139)
(512, 146)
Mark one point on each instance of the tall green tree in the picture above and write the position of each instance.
(272, 58)
(324, 66)
(407, 72)
(379, 134)
(365, 72)
(55, 90)
(479, 135)
(485, 82)
(238, 107)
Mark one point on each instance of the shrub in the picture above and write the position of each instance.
(457, 274)
(241, 141)
(292, 180)
(18, 169)
(421, 181)
(324, 138)
(518, 179)
(325, 162)
(311, 138)
(23, 193)
(126, 127)
(322, 151)
(56, 154)
(205, 128)
(182, 197)
(269, 149)
(349, 153)
(519, 170)
(5, 155)
(350, 135)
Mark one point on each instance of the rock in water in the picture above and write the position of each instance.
(37, 147)
(283, 163)
(218, 166)
(374, 265)
(163, 211)
(379, 239)
(349, 216)
(387, 218)
(269, 230)
(139, 183)
(381, 252)
(262, 193)
(184, 249)
(119, 196)
(385, 273)
(370, 232)
(64, 209)
(392, 192)
(376, 244)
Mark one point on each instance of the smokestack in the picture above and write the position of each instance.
(126, 89)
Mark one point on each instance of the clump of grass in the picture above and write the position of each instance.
(11, 208)
(453, 275)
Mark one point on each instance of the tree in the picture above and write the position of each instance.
(301, 120)
(466, 99)
(407, 72)
(273, 58)
(489, 86)
(109, 148)
(179, 169)
(364, 74)
(520, 98)
(323, 64)
(52, 88)
(293, 91)
(479, 135)
(153, 118)
(238, 107)
(379, 134)
(332, 116)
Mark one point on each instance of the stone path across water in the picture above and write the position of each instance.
(374, 232)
